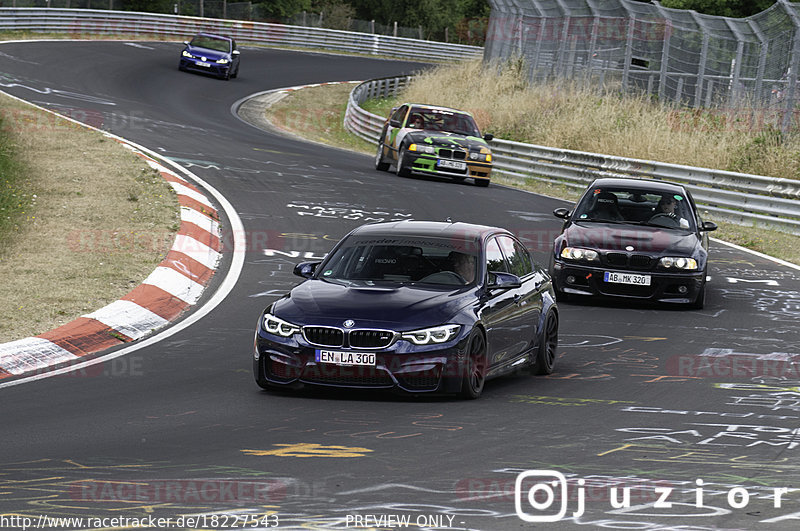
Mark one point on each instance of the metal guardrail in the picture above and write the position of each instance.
(365, 124)
(93, 22)
(737, 197)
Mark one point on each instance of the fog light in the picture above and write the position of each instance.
(570, 279)
(682, 290)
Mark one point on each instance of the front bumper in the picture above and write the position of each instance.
(576, 279)
(196, 65)
(401, 367)
(428, 164)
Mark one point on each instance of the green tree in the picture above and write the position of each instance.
(433, 15)
(282, 8)
(722, 8)
(336, 14)
(383, 11)
(148, 6)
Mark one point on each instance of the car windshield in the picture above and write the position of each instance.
(378, 260)
(211, 43)
(443, 120)
(658, 208)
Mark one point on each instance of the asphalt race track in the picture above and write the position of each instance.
(676, 405)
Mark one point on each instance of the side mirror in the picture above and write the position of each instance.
(499, 280)
(708, 226)
(488, 137)
(186, 43)
(235, 52)
(394, 123)
(305, 269)
(562, 213)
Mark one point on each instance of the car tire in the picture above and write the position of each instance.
(483, 183)
(236, 72)
(548, 345)
(700, 300)
(380, 165)
(402, 171)
(474, 376)
(227, 75)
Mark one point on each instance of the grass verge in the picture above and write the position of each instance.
(330, 102)
(91, 221)
(14, 196)
(317, 114)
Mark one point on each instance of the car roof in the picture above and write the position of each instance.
(434, 229)
(646, 184)
(435, 107)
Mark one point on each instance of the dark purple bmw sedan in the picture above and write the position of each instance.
(411, 306)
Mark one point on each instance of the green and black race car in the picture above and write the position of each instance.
(432, 140)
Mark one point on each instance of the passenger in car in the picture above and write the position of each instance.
(464, 265)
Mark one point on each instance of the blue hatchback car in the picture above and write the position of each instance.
(211, 54)
(411, 306)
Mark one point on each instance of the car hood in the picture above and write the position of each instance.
(451, 140)
(211, 55)
(645, 240)
(398, 307)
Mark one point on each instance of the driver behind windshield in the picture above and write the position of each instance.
(416, 122)
(463, 265)
(667, 209)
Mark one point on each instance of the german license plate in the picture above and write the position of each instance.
(451, 164)
(345, 358)
(627, 278)
(200, 63)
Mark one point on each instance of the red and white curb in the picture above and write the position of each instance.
(174, 286)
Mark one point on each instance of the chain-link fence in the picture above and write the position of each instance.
(743, 69)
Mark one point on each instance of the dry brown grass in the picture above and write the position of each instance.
(571, 117)
(99, 223)
(317, 113)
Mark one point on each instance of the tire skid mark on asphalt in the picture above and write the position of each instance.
(174, 286)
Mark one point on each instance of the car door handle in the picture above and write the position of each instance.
(517, 299)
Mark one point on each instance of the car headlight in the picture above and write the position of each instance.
(422, 149)
(437, 334)
(484, 156)
(583, 255)
(678, 262)
(279, 327)
(222, 61)
(186, 54)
